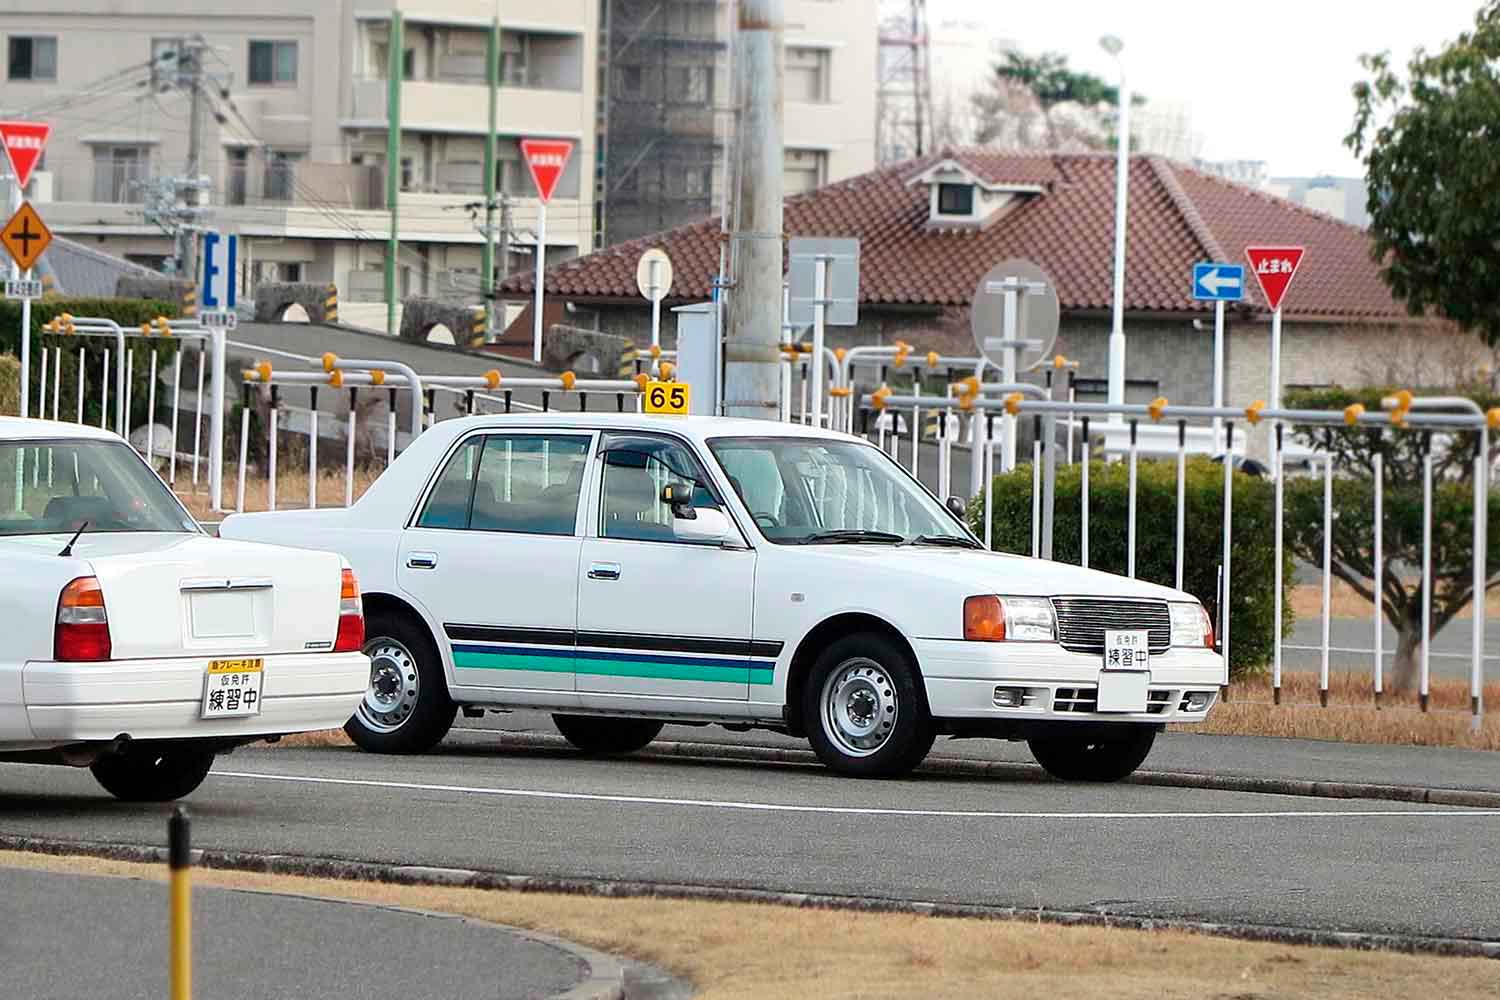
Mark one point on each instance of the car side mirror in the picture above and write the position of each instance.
(679, 498)
(957, 508)
(709, 526)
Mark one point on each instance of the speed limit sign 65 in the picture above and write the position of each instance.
(668, 397)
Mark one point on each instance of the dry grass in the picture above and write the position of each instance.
(291, 491)
(735, 950)
(1351, 715)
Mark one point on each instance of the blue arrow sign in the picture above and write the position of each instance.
(1218, 282)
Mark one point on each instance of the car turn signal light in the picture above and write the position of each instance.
(351, 635)
(984, 618)
(82, 630)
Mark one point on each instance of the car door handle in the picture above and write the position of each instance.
(604, 571)
(422, 560)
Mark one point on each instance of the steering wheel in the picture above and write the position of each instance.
(765, 520)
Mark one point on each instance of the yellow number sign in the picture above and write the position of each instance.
(668, 397)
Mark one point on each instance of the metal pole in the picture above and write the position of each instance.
(239, 488)
(1327, 606)
(487, 253)
(1130, 505)
(1219, 369)
(1181, 496)
(537, 302)
(218, 351)
(1481, 573)
(654, 265)
(271, 463)
(41, 403)
(56, 381)
(180, 906)
(151, 414)
(1425, 688)
(192, 53)
(820, 318)
(989, 486)
(349, 453)
(312, 449)
(916, 429)
(128, 393)
(1122, 187)
(1379, 570)
(750, 348)
(104, 392)
(1084, 500)
(198, 421)
(176, 407)
(394, 70)
(1278, 470)
(1036, 497)
(1224, 562)
(1274, 393)
(83, 381)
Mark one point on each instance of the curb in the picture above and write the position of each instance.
(289, 864)
(970, 767)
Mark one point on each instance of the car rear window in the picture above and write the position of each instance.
(48, 487)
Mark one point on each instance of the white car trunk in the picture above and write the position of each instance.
(201, 596)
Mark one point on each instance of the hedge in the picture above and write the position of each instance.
(129, 313)
(1253, 563)
(10, 386)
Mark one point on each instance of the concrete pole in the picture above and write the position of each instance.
(1122, 187)
(394, 68)
(751, 355)
(487, 256)
(192, 53)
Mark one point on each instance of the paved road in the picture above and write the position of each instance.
(1119, 849)
(70, 936)
(1450, 647)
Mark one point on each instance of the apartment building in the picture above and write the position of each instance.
(294, 124)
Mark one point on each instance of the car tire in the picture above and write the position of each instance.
(865, 710)
(152, 774)
(1090, 757)
(607, 735)
(406, 708)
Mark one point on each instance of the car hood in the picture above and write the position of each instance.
(984, 572)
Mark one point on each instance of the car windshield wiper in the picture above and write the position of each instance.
(947, 541)
(851, 535)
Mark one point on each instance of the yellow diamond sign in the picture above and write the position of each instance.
(25, 236)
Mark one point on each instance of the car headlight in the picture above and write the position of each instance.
(989, 618)
(1191, 625)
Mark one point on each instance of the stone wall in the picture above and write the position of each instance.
(273, 298)
(178, 290)
(419, 316)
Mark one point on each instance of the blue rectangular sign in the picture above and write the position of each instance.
(1218, 282)
(216, 291)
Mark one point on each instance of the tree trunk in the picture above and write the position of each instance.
(1408, 649)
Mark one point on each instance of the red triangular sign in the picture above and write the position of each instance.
(1274, 268)
(546, 159)
(24, 142)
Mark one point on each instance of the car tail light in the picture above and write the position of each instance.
(82, 632)
(351, 637)
(984, 618)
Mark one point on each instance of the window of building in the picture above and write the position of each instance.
(956, 199)
(281, 174)
(807, 74)
(695, 180)
(237, 175)
(631, 80)
(273, 63)
(693, 84)
(120, 173)
(515, 59)
(33, 57)
(803, 170)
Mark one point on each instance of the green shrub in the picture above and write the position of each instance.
(1253, 564)
(10, 385)
(130, 314)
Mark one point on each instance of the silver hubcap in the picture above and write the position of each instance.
(859, 707)
(394, 683)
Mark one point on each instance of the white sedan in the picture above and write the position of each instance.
(139, 646)
(624, 571)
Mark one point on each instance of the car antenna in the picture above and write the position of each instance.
(67, 550)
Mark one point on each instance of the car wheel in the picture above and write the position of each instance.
(865, 710)
(152, 775)
(406, 708)
(602, 734)
(1091, 757)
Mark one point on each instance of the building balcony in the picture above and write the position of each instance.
(460, 107)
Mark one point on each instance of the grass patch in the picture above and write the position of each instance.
(742, 950)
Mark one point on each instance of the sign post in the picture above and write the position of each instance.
(1017, 300)
(822, 288)
(546, 159)
(1274, 267)
(1218, 283)
(24, 142)
(653, 276)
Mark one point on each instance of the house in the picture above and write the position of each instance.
(931, 227)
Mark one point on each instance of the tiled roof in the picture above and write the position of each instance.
(1178, 215)
(82, 270)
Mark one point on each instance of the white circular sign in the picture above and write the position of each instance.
(654, 286)
(1039, 314)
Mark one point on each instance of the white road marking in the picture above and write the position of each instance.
(652, 800)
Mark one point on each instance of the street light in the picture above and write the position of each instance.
(1113, 45)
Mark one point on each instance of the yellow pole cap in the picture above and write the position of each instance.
(1404, 399)
(1353, 412)
(656, 350)
(932, 359)
(640, 380)
(145, 329)
(1252, 412)
(879, 396)
(336, 379)
(329, 361)
(1013, 403)
(377, 377)
(1492, 418)
(839, 390)
(1059, 362)
(263, 368)
(67, 319)
(667, 370)
(568, 379)
(966, 402)
(840, 353)
(1156, 406)
(492, 378)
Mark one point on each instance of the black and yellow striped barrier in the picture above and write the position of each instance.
(190, 302)
(331, 303)
(179, 907)
(479, 326)
(628, 368)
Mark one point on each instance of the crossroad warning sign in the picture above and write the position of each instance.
(25, 236)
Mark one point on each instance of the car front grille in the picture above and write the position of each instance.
(1082, 622)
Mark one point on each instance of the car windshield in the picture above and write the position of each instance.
(815, 491)
(58, 486)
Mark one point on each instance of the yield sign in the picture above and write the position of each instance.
(1274, 268)
(25, 236)
(546, 159)
(24, 141)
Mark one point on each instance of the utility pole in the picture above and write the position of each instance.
(751, 354)
(397, 63)
(190, 74)
(487, 258)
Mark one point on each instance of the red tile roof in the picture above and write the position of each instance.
(1178, 215)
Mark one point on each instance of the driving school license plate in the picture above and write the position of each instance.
(1127, 650)
(231, 688)
(1126, 677)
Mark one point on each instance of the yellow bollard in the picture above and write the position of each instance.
(179, 907)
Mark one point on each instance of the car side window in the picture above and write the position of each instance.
(448, 504)
(529, 483)
(635, 470)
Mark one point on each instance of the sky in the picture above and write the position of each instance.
(1264, 79)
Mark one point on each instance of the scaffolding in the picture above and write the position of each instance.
(665, 66)
(903, 117)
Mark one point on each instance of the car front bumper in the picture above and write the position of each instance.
(1056, 685)
(161, 698)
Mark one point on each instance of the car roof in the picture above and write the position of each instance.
(696, 427)
(31, 429)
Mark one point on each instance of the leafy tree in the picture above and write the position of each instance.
(1027, 91)
(1399, 588)
(1428, 143)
